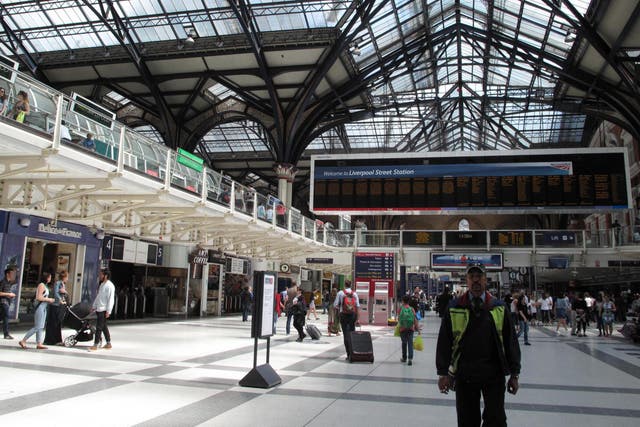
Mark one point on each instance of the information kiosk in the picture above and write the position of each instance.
(364, 312)
(383, 292)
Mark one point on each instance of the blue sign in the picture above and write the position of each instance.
(459, 261)
(468, 169)
(559, 238)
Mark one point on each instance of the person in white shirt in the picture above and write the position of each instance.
(590, 305)
(103, 305)
(546, 303)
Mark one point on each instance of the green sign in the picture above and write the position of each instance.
(190, 160)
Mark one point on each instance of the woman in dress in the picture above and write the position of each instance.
(53, 335)
(333, 323)
(42, 301)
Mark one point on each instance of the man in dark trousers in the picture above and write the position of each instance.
(347, 304)
(477, 347)
(443, 301)
(6, 297)
(246, 298)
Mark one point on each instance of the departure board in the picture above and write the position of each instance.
(511, 238)
(422, 238)
(374, 265)
(579, 180)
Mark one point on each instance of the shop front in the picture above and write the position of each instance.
(37, 245)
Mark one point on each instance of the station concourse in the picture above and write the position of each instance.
(186, 373)
(187, 145)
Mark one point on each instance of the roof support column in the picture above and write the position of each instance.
(285, 172)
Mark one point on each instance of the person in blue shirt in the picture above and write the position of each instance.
(88, 142)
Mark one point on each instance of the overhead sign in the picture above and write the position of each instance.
(319, 260)
(374, 265)
(190, 160)
(559, 238)
(92, 111)
(199, 256)
(421, 238)
(460, 261)
(511, 238)
(8, 69)
(558, 180)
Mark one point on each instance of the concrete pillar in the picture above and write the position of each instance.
(285, 172)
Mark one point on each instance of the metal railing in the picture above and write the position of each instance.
(51, 114)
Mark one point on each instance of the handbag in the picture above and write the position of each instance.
(20, 116)
(418, 344)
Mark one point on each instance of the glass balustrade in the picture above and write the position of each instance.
(308, 228)
(296, 221)
(243, 198)
(265, 211)
(145, 156)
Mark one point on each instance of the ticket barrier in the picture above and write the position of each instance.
(381, 302)
(364, 312)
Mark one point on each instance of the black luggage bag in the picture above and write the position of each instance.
(313, 332)
(361, 347)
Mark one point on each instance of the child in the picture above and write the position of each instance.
(408, 323)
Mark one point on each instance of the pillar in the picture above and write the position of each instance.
(285, 173)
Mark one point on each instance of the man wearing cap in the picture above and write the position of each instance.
(348, 310)
(6, 295)
(477, 348)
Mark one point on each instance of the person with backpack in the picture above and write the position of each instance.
(408, 323)
(347, 304)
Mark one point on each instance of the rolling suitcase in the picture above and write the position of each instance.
(314, 332)
(361, 347)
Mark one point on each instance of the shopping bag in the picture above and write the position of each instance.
(418, 344)
(418, 315)
(20, 116)
(396, 331)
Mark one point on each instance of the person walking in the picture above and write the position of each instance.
(312, 305)
(443, 301)
(408, 323)
(608, 314)
(476, 348)
(523, 318)
(292, 291)
(53, 332)
(562, 305)
(41, 302)
(6, 297)
(299, 310)
(333, 319)
(347, 304)
(246, 298)
(103, 305)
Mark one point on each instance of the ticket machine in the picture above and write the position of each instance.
(364, 312)
(383, 292)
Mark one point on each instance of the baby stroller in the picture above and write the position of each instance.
(76, 318)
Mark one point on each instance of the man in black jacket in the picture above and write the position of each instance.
(476, 348)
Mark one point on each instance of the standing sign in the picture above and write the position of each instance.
(262, 376)
(262, 322)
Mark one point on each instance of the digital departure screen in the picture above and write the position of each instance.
(558, 180)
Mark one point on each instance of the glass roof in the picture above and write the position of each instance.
(236, 137)
(483, 79)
